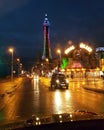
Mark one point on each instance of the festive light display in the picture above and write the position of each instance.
(64, 63)
(84, 46)
(46, 50)
(69, 49)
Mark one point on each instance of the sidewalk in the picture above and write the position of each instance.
(96, 85)
(92, 84)
(8, 87)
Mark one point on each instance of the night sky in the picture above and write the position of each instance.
(21, 24)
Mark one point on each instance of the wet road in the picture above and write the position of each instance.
(34, 97)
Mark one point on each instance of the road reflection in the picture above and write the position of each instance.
(67, 95)
(62, 101)
(36, 84)
(58, 99)
(35, 98)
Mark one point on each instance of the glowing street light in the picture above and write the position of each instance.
(11, 50)
(18, 59)
(47, 63)
(18, 63)
(47, 60)
(59, 52)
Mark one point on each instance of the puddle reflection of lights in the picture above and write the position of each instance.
(67, 95)
(57, 98)
(36, 84)
(58, 102)
(36, 77)
(83, 83)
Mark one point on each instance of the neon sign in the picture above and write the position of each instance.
(69, 49)
(64, 63)
(76, 65)
(82, 45)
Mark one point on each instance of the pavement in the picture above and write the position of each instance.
(7, 87)
(91, 84)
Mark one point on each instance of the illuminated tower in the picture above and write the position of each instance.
(46, 29)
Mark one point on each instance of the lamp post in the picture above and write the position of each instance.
(18, 63)
(47, 64)
(59, 52)
(20, 68)
(11, 51)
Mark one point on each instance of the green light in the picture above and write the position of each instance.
(64, 63)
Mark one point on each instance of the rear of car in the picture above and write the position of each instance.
(59, 81)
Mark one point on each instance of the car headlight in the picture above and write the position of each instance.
(67, 81)
(57, 81)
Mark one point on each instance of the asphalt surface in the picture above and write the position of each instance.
(93, 84)
(7, 87)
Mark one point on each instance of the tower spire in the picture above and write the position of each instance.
(46, 30)
(46, 15)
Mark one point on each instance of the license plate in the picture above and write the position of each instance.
(62, 84)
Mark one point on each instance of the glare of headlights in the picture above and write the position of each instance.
(57, 81)
(67, 80)
(36, 77)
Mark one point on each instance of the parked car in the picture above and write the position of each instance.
(59, 81)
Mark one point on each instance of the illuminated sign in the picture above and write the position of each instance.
(99, 49)
(69, 49)
(64, 63)
(76, 65)
(82, 45)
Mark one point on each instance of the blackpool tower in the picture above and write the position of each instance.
(46, 30)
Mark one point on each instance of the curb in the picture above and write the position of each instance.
(2, 107)
(95, 90)
(13, 88)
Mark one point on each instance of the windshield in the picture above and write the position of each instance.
(51, 61)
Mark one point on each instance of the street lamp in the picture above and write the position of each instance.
(59, 52)
(47, 64)
(18, 63)
(47, 60)
(11, 50)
